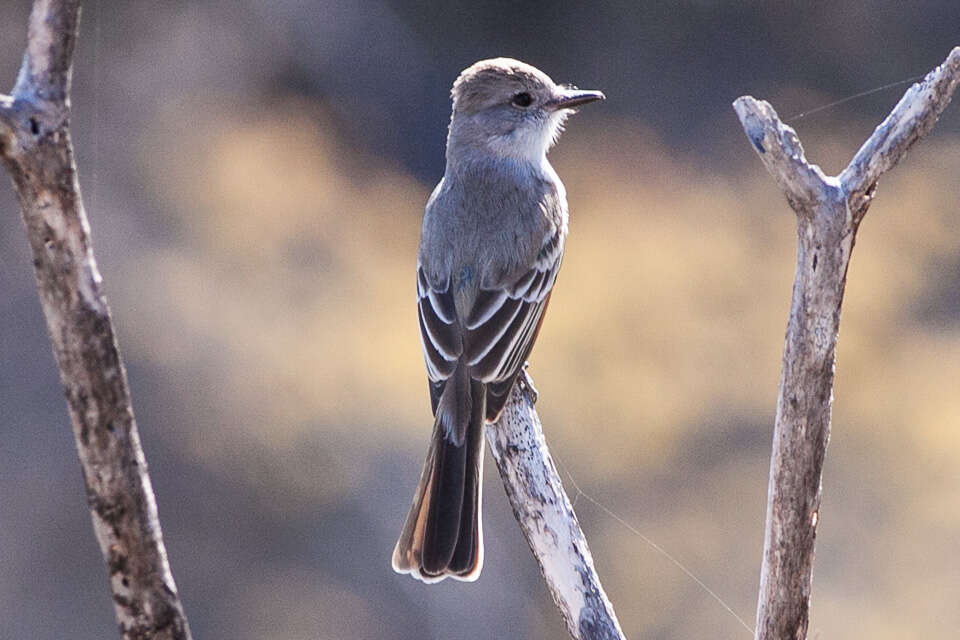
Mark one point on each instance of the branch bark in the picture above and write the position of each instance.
(548, 522)
(829, 211)
(36, 148)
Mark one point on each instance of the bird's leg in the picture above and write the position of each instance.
(526, 383)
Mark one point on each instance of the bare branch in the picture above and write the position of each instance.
(912, 118)
(51, 36)
(548, 522)
(829, 211)
(36, 149)
(781, 151)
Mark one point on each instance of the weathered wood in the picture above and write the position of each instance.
(829, 211)
(548, 522)
(912, 118)
(36, 149)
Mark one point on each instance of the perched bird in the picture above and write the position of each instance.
(492, 240)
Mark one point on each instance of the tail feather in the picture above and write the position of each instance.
(443, 533)
(445, 508)
(467, 558)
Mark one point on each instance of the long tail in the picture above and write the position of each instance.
(443, 534)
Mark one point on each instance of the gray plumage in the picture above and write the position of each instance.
(491, 246)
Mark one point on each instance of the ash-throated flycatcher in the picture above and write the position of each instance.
(491, 245)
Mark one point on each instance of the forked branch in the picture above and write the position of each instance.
(829, 211)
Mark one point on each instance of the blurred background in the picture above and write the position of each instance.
(255, 174)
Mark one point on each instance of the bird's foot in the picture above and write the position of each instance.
(526, 384)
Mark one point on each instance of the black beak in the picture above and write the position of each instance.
(570, 98)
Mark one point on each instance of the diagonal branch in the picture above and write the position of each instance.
(829, 211)
(548, 522)
(912, 118)
(36, 149)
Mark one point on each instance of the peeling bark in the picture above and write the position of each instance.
(36, 149)
(546, 517)
(829, 211)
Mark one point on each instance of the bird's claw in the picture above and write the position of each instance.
(526, 383)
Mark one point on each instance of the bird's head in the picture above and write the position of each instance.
(507, 108)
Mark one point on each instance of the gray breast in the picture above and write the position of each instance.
(485, 225)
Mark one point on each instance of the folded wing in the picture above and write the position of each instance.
(497, 334)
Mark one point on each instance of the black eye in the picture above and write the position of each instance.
(522, 99)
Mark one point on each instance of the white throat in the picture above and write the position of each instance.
(530, 144)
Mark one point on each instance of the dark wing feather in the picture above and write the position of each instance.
(439, 334)
(498, 333)
(499, 390)
(504, 323)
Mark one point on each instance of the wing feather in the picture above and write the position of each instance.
(444, 336)
(486, 336)
(487, 303)
(439, 335)
(498, 333)
(498, 352)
